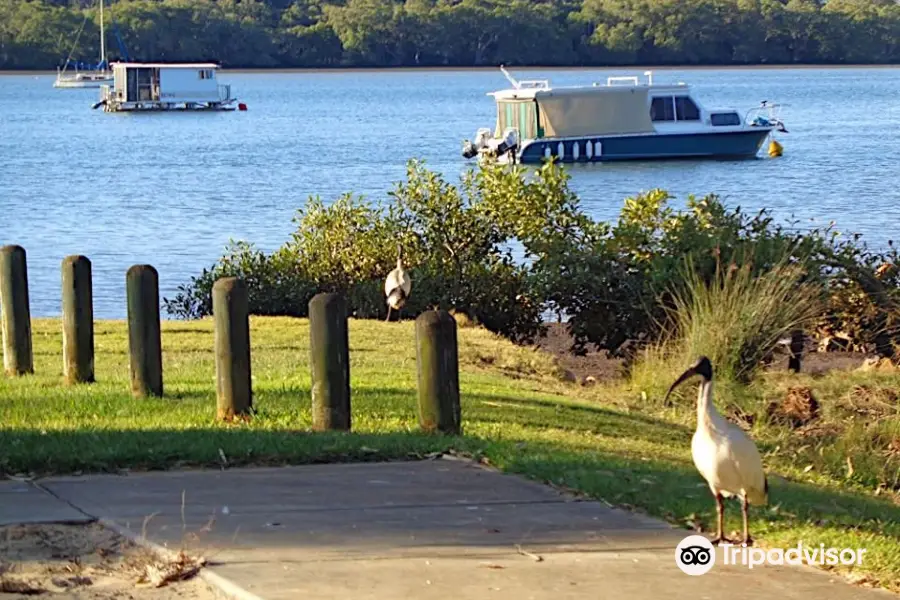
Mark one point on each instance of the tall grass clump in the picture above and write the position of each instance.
(736, 317)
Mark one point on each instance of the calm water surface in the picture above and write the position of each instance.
(172, 189)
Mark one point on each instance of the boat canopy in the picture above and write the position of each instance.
(576, 112)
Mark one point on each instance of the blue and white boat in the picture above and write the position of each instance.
(625, 119)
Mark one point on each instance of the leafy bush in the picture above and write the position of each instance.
(457, 258)
(275, 285)
(615, 284)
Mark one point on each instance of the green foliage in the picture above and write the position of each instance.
(619, 286)
(275, 285)
(454, 253)
(309, 33)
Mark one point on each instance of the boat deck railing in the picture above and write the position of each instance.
(630, 80)
(620, 81)
(767, 114)
(224, 92)
(541, 84)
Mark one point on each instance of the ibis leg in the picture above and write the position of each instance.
(747, 539)
(389, 314)
(720, 520)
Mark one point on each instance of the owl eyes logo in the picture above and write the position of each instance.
(695, 555)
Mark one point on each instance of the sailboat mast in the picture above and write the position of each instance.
(102, 39)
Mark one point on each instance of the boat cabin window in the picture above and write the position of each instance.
(520, 115)
(662, 109)
(724, 118)
(674, 108)
(686, 109)
(206, 73)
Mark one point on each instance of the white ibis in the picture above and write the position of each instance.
(724, 455)
(397, 286)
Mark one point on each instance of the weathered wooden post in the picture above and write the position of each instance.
(231, 312)
(329, 350)
(144, 343)
(18, 356)
(438, 366)
(78, 320)
(796, 349)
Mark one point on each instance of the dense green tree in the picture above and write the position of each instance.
(308, 33)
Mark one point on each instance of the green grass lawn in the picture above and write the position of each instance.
(517, 414)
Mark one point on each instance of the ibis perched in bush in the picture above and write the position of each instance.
(725, 456)
(397, 286)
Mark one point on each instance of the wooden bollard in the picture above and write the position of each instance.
(329, 359)
(78, 320)
(438, 366)
(796, 350)
(231, 312)
(144, 343)
(18, 355)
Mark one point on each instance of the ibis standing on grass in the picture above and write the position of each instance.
(725, 456)
(397, 286)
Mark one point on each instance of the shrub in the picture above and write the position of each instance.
(275, 285)
(615, 284)
(457, 258)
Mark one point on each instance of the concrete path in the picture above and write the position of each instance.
(433, 530)
(22, 502)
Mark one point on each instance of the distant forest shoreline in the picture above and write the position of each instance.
(38, 35)
(511, 68)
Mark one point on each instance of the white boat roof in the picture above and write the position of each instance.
(530, 92)
(169, 65)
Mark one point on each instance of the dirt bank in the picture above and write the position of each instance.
(83, 562)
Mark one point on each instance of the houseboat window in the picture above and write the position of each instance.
(685, 109)
(662, 109)
(206, 74)
(724, 119)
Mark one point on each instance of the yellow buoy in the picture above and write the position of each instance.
(775, 149)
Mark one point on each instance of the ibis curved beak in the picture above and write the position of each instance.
(681, 379)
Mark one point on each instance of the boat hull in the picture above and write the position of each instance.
(156, 106)
(724, 144)
(83, 79)
(90, 83)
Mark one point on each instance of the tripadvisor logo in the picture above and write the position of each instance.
(695, 555)
(811, 555)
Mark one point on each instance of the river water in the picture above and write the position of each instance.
(172, 189)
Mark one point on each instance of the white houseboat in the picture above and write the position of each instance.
(621, 120)
(164, 87)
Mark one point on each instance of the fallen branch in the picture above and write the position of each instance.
(160, 573)
(530, 555)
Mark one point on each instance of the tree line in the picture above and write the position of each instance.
(39, 34)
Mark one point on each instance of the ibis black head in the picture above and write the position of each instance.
(703, 368)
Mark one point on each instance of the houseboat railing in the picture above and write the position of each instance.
(535, 83)
(618, 80)
(630, 79)
(224, 92)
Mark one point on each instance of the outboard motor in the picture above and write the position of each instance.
(509, 142)
(470, 149)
